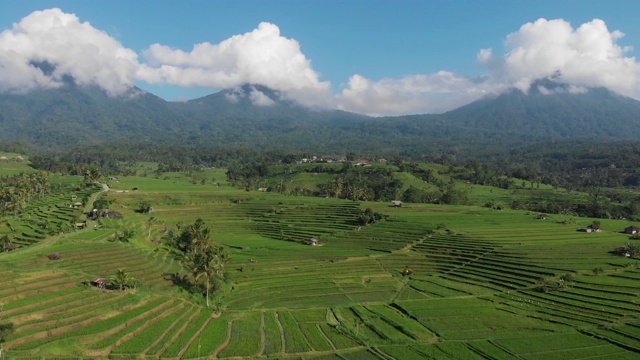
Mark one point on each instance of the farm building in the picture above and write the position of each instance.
(396, 203)
(542, 216)
(99, 283)
(631, 230)
(591, 228)
(313, 242)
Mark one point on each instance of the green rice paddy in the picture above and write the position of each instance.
(471, 293)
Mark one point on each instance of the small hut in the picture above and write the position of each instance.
(100, 283)
(631, 230)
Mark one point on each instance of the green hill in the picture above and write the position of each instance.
(72, 115)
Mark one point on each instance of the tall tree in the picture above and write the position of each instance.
(201, 259)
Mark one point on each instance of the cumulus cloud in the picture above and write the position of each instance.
(588, 56)
(261, 56)
(47, 47)
(412, 94)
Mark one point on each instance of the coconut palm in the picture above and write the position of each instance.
(122, 279)
(206, 262)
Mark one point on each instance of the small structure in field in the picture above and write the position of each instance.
(76, 205)
(396, 203)
(12, 247)
(406, 271)
(621, 251)
(313, 242)
(632, 230)
(100, 283)
(112, 214)
(595, 227)
(542, 217)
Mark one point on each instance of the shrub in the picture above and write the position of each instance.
(54, 256)
(548, 285)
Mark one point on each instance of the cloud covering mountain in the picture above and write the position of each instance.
(50, 47)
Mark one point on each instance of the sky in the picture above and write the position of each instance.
(375, 57)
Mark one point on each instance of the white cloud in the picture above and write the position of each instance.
(254, 95)
(588, 56)
(261, 56)
(48, 46)
(63, 46)
(259, 98)
(412, 94)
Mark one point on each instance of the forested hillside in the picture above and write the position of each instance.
(56, 119)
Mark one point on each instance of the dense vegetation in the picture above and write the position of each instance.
(56, 119)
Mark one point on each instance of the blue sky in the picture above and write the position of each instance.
(376, 57)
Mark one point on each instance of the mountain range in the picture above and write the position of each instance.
(259, 117)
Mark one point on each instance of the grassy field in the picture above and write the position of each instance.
(472, 291)
(12, 164)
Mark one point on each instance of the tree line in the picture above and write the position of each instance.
(18, 190)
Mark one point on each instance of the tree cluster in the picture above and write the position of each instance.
(203, 261)
(17, 191)
(368, 217)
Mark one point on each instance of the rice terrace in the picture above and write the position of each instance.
(342, 180)
(313, 277)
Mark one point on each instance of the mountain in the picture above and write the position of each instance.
(73, 115)
(259, 117)
(553, 111)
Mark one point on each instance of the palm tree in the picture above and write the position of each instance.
(208, 266)
(193, 236)
(200, 258)
(152, 220)
(91, 174)
(192, 264)
(207, 261)
(221, 259)
(122, 279)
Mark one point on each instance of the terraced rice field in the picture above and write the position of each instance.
(471, 292)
